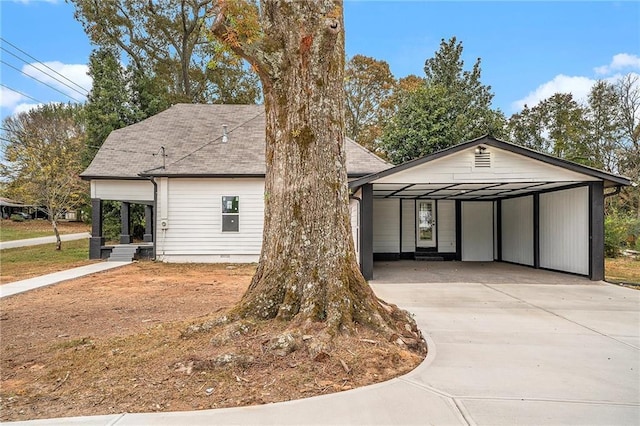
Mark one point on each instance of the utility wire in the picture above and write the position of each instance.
(45, 73)
(215, 139)
(119, 150)
(40, 62)
(40, 81)
(20, 93)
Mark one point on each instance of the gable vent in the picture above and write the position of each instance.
(482, 158)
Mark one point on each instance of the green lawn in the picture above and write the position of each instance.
(10, 230)
(26, 262)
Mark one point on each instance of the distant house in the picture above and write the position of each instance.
(199, 169)
(10, 207)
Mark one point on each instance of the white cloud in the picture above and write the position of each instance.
(24, 107)
(77, 73)
(619, 62)
(35, 1)
(578, 86)
(9, 98)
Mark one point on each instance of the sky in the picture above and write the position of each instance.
(528, 50)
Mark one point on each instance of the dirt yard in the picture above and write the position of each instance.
(115, 342)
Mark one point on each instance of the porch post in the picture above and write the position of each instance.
(148, 223)
(125, 233)
(536, 230)
(458, 230)
(596, 231)
(97, 240)
(366, 232)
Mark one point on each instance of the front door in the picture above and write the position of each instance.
(426, 223)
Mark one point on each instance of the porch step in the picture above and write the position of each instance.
(123, 253)
(428, 257)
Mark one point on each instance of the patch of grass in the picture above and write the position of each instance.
(622, 270)
(10, 231)
(26, 262)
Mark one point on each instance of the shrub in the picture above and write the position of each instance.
(17, 218)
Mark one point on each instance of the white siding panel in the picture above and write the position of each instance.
(386, 225)
(446, 218)
(564, 230)
(477, 230)
(354, 211)
(194, 213)
(506, 167)
(408, 226)
(517, 230)
(122, 190)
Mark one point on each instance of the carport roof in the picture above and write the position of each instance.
(477, 189)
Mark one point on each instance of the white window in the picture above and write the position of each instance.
(230, 214)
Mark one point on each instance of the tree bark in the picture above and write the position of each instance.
(55, 230)
(307, 271)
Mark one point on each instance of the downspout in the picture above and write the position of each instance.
(155, 215)
(615, 192)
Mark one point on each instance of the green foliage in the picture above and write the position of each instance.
(108, 105)
(450, 105)
(171, 56)
(17, 218)
(557, 126)
(620, 231)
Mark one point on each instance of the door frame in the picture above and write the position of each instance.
(433, 242)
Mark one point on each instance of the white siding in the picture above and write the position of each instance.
(386, 225)
(517, 230)
(194, 215)
(564, 230)
(446, 226)
(477, 230)
(506, 167)
(408, 226)
(122, 190)
(354, 211)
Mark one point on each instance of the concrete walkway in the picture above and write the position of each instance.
(16, 287)
(499, 354)
(42, 240)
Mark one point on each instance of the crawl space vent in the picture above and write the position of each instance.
(482, 160)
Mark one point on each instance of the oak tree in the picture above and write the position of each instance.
(166, 40)
(368, 86)
(307, 273)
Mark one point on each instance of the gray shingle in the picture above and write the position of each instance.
(191, 135)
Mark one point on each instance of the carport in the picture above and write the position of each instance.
(486, 200)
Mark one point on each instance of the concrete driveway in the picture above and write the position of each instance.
(514, 345)
(508, 345)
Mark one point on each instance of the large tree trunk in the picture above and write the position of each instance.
(307, 271)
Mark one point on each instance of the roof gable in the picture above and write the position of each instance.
(509, 162)
(192, 138)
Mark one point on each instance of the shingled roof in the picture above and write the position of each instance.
(191, 135)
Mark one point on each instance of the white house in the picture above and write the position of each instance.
(199, 169)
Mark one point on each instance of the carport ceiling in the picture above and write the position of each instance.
(461, 191)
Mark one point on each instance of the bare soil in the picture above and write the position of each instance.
(117, 342)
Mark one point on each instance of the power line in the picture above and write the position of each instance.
(40, 62)
(215, 139)
(40, 81)
(45, 73)
(20, 93)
